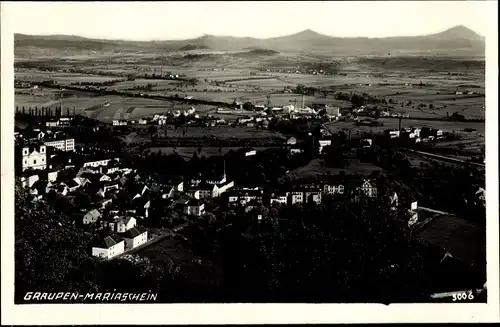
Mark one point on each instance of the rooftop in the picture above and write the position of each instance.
(109, 241)
(464, 240)
(133, 232)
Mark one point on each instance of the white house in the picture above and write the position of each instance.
(193, 193)
(110, 247)
(295, 197)
(394, 134)
(178, 185)
(119, 122)
(34, 157)
(278, 199)
(244, 196)
(105, 202)
(222, 188)
(91, 217)
(295, 150)
(28, 181)
(108, 187)
(332, 189)
(367, 143)
(135, 237)
(168, 192)
(250, 152)
(481, 194)
(52, 123)
(52, 175)
(394, 201)
(122, 224)
(291, 141)
(368, 189)
(104, 178)
(323, 143)
(65, 121)
(413, 213)
(313, 196)
(195, 208)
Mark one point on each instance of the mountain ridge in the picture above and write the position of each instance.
(455, 31)
(457, 38)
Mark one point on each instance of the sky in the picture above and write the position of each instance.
(262, 19)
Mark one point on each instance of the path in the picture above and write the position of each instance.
(437, 156)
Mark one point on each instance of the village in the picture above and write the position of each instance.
(122, 203)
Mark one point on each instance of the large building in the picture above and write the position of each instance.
(34, 157)
(62, 143)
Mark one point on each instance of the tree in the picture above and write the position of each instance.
(152, 131)
(47, 258)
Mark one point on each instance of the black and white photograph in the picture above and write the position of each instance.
(250, 152)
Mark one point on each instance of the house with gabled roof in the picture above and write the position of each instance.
(82, 181)
(142, 204)
(29, 179)
(193, 192)
(104, 203)
(109, 247)
(71, 184)
(61, 189)
(168, 192)
(135, 237)
(277, 198)
(104, 178)
(394, 200)
(244, 197)
(367, 188)
(207, 191)
(177, 184)
(38, 189)
(121, 224)
(106, 187)
(194, 207)
(91, 217)
(139, 190)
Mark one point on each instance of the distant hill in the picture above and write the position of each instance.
(256, 53)
(457, 40)
(189, 47)
(459, 32)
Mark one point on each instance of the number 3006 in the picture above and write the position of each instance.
(463, 296)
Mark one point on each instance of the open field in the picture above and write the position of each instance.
(317, 167)
(96, 107)
(226, 76)
(62, 78)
